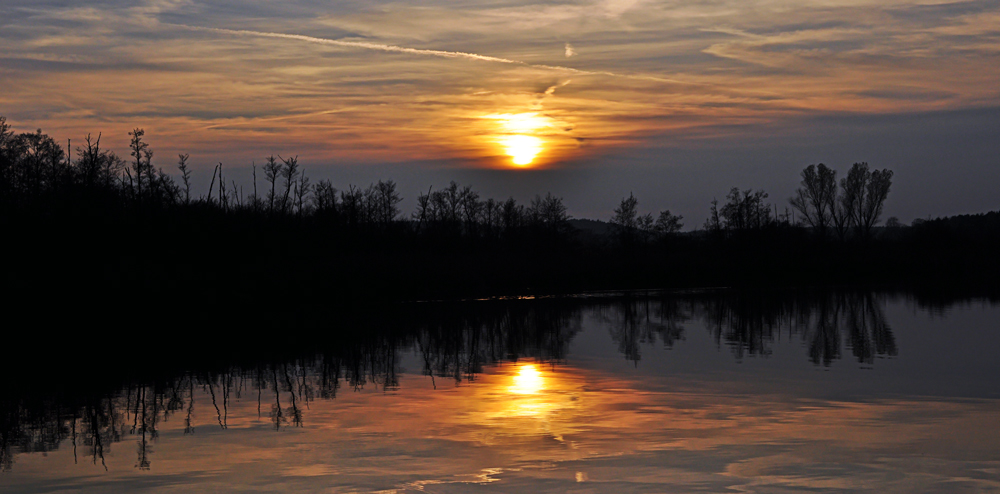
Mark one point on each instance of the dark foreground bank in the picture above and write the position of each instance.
(199, 256)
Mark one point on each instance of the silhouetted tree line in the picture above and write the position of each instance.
(632, 227)
(131, 226)
(36, 172)
(828, 234)
(855, 208)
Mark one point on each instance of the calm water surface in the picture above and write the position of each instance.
(854, 392)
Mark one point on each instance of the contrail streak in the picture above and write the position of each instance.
(433, 53)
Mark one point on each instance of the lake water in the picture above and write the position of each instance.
(702, 393)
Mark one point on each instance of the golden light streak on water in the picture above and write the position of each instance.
(528, 380)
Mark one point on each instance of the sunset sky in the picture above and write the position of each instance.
(589, 99)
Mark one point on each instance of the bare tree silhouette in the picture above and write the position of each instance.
(816, 200)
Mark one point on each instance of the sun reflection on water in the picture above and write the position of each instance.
(528, 380)
(528, 394)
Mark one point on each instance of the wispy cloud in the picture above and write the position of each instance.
(357, 44)
(425, 52)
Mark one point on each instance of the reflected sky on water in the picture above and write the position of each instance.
(638, 396)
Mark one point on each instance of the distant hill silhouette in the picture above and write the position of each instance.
(592, 227)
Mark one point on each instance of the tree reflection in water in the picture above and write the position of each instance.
(749, 323)
(453, 341)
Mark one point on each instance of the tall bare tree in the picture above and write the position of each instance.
(423, 212)
(325, 198)
(511, 215)
(552, 211)
(627, 213)
(865, 192)
(143, 155)
(713, 223)
(817, 198)
(6, 159)
(272, 170)
(626, 219)
(182, 160)
(302, 191)
(668, 223)
(290, 173)
(386, 202)
(745, 210)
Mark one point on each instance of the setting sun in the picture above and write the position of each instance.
(518, 135)
(522, 148)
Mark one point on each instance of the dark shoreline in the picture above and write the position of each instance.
(104, 262)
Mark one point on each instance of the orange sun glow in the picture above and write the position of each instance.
(518, 135)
